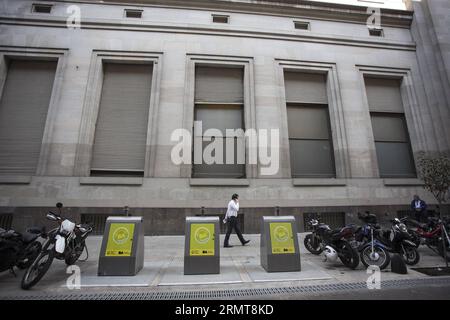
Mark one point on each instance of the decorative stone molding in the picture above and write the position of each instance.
(230, 31)
(319, 182)
(249, 98)
(411, 106)
(15, 179)
(403, 182)
(92, 101)
(111, 181)
(31, 53)
(335, 107)
(200, 182)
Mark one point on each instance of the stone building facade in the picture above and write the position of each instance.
(87, 113)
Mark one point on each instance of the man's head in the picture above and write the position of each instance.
(235, 196)
(416, 197)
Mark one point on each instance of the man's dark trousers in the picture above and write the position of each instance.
(232, 223)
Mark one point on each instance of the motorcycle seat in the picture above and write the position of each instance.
(36, 230)
(417, 224)
(28, 237)
(9, 234)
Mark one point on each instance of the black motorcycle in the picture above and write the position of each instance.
(66, 242)
(19, 249)
(333, 243)
(399, 240)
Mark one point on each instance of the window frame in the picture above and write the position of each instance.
(411, 108)
(92, 103)
(58, 55)
(220, 16)
(249, 109)
(305, 25)
(139, 12)
(34, 6)
(338, 137)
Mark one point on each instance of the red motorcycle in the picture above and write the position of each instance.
(431, 233)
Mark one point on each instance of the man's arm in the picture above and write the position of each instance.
(234, 206)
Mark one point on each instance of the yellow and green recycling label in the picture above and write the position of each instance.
(281, 238)
(120, 240)
(202, 239)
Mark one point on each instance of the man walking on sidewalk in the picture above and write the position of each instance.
(232, 221)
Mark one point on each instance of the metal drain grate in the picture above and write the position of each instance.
(234, 293)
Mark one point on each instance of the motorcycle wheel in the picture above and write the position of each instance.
(37, 269)
(411, 256)
(349, 256)
(381, 257)
(74, 255)
(32, 251)
(312, 244)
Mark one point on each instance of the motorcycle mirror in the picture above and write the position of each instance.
(51, 216)
(59, 205)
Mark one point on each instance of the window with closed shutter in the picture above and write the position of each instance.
(389, 127)
(310, 143)
(121, 129)
(219, 104)
(23, 113)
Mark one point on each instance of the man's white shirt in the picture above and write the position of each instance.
(233, 209)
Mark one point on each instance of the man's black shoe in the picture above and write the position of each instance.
(228, 246)
(245, 242)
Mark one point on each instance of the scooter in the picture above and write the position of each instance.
(399, 240)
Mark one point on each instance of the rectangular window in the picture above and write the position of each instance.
(389, 127)
(23, 113)
(376, 32)
(42, 8)
(133, 13)
(220, 18)
(310, 143)
(301, 25)
(121, 131)
(219, 104)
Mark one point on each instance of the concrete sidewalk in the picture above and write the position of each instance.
(163, 271)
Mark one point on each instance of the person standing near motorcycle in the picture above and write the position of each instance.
(419, 207)
(232, 222)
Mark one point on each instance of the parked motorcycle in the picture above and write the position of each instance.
(66, 242)
(332, 243)
(372, 251)
(431, 233)
(399, 240)
(19, 249)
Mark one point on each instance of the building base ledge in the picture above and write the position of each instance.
(303, 182)
(112, 181)
(206, 182)
(15, 179)
(403, 182)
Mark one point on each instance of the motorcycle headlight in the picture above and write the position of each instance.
(402, 227)
(67, 226)
(64, 232)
